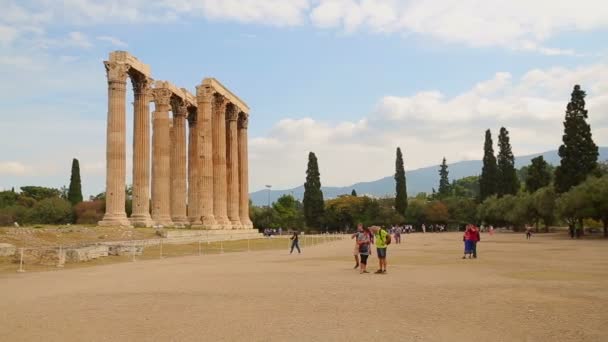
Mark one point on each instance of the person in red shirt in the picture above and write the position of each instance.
(468, 242)
(475, 238)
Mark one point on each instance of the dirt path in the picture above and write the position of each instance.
(546, 289)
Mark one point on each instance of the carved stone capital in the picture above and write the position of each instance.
(161, 96)
(179, 107)
(220, 103)
(232, 113)
(204, 93)
(243, 120)
(116, 72)
(141, 85)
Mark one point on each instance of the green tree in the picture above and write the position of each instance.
(578, 152)
(313, 196)
(353, 193)
(462, 210)
(444, 182)
(75, 190)
(538, 174)
(436, 212)
(489, 171)
(592, 196)
(466, 187)
(400, 184)
(507, 184)
(544, 202)
(289, 212)
(415, 212)
(53, 210)
(39, 192)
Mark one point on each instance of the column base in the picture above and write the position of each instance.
(115, 220)
(180, 221)
(246, 224)
(235, 224)
(223, 223)
(141, 220)
(164, 221)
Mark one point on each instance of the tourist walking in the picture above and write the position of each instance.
(295, 242)
(398, 235)
(382, 240)
(528, 232)
(364, 248)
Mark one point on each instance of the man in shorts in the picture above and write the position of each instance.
(380, 238)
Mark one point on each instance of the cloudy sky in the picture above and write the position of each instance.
(348, 79)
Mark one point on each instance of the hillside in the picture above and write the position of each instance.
(419, 180)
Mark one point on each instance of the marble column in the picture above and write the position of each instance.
(206, 186)
(232, 166)
(194, 213)
(219, 162)
(115, 214)
(141, 151)
(178, 165)
(161, 163)
(243, 171)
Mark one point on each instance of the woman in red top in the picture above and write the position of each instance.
(467, 238)
(475, 238)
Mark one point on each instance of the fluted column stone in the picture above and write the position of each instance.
(141, 151)
(243, 171)
(194, 213)
(232, 166)
(206, 186)
(219, 162)
(161, 164)
(115, 214)
(178, 165)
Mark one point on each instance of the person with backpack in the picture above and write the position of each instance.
(382, 240)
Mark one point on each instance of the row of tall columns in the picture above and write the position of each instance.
(209, 191)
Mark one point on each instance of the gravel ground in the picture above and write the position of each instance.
(545, 289)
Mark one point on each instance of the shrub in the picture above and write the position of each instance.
(53, 210)
(89, 212)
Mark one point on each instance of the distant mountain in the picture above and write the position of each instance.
(419, 180)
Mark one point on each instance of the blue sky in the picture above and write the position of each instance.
(349, 80)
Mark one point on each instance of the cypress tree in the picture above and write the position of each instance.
(353, 193)
(75, 190)
(539, 174)
(578, 152)
(507, 184)
(489, 171)
(401, 186)
(313, 196)
(444, 182)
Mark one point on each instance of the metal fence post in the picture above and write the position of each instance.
(21, 270)
(161, 248)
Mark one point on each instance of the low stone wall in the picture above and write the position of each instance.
(6, 249)
(87, 253)
(44, 257)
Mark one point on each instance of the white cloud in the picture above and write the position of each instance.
(13, 168)
(520, 25)
(112, 40)
(429, 125)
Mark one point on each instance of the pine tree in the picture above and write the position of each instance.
(400, 183)
(313, 196)
(507, 184)
(489, 171)
(578, 152)
(539, 174)
(353, 193)
(75, 190)
(444, 182)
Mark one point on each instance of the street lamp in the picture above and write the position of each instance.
(268, 186)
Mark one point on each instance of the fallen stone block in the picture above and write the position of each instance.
(45, 256)
(6, 249)
(87, 253)
(125, 250)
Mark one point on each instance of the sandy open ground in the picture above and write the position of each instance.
(546, 289)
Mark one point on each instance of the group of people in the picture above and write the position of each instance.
(364, 239)
(470, 238)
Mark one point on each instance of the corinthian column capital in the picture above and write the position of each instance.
(141, 85)
(161, 97)
(204, 94)
(116, 72)
(220, 103)
(243, 120)
(179, 107)
(232, 113)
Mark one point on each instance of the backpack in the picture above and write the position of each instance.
(387, 237)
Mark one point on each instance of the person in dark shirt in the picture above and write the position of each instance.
(295, 242)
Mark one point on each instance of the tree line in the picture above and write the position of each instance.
(573, 193)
